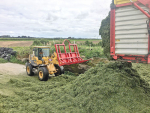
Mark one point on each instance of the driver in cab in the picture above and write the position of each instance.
(40, 54)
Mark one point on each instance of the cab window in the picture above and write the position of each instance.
(35, 51)
(45, 52)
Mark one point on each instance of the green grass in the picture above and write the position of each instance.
(95, 52)
(3, 61)
(12, 60)
(50, 39)
(15, 60)
(107, 88)
(16, 39)
(85, 40)
(23, 52)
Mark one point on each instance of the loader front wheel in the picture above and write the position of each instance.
(60, 70)
(43, 74)
(29, 69)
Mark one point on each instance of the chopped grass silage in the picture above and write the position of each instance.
(114, 87)
(143, 70)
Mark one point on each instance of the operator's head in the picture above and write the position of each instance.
(40, 51)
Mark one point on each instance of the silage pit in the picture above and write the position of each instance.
(110, 87)
(78, 69)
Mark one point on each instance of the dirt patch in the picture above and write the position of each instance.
(15, 43)
(12, 69)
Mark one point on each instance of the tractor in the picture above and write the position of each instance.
(46, 63)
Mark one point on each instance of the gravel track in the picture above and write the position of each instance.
(12, 69)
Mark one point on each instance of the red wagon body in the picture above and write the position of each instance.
(130, 31)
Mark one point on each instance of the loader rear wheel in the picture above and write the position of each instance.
(29, 69)
(43, 74)
(60, 70)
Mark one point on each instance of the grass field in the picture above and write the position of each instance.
(85, 50)
(50, 39)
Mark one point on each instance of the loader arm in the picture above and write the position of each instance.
(68, 58)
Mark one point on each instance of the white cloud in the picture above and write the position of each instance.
(48, 18)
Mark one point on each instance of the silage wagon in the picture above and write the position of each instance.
(130, 30)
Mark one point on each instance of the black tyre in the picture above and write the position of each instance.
(43, 74)
(1, 53)
(13, 52)
(60, 70)
(9, 51)
(6, 49)
(2, 49)
(29, 69)
(8, 57)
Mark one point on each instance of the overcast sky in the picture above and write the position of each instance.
(52, 18)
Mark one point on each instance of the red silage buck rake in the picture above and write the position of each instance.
(68, 58)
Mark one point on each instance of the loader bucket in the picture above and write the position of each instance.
(68, 58)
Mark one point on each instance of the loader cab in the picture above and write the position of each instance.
(41, 51)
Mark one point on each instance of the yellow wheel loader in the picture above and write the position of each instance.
(46, 63)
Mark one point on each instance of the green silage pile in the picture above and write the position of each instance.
(114, 87)
(104, 31)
